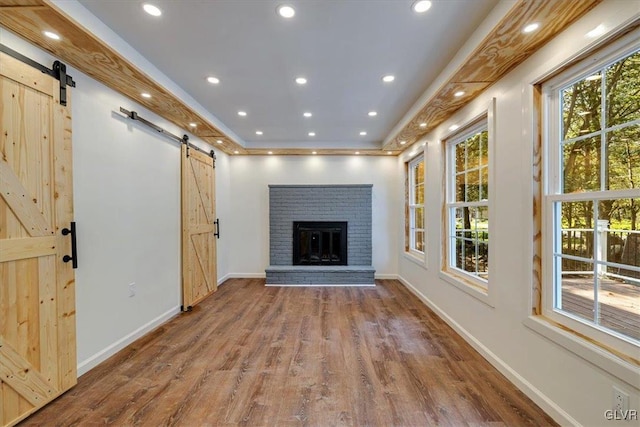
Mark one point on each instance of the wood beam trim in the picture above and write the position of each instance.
(500, 51)
(84, 51)
(319, 151)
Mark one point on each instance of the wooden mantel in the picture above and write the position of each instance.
(502, 49)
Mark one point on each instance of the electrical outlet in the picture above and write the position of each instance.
(620, 401)
(132, 289)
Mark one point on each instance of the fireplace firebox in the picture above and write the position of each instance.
(319, 243)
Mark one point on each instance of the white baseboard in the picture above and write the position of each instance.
(93, 361)
(246, 276)
(223, 279)
(547, 405)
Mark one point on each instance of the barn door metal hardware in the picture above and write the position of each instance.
(217, 223)
(74, 250)
(58, 72)
(184, 139)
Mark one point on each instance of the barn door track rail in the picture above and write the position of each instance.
(58, 72)
(182, 140)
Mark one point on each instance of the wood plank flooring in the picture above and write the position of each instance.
(266, 356)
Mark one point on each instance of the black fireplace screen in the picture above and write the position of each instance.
(319, 243)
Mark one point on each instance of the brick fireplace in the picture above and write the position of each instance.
(320, 204)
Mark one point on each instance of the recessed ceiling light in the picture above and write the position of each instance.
(51, 35)
(151, 9)
(453, 127)
(258, 132)
(372, 113)
(357, 152)
(597, 31)
(270, 152)
(389, 152)
(403, 142)
(307, 114)
(312, 134)
(286, 11)
(219, 141)
(314, 153)
(421, 6)
(242, 113)
(458, 94)
(423, 125)
(531, 28)
(213, 80)
(388, 78)
(193, 125)
(236, 152)
(363, 133)
(301, 80)
(145, 95)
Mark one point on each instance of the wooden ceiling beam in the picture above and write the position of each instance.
(318, 151)
(81, 49)
(504, 48)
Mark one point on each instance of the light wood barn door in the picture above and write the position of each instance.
(199, 278)
(37, 289)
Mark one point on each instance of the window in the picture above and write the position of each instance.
(591, 198)
(416, 205)
(467, 204)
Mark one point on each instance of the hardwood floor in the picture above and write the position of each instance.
(267, 356)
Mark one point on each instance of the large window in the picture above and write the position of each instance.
(592, 198)
(415, 205)
(467, 205)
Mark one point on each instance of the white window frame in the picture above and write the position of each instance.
(411, 165)
(471, 284)
(552, 187)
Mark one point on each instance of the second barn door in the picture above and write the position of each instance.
(199, 278)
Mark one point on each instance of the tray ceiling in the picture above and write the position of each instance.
(342, 48)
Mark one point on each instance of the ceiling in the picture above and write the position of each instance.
(342, 47)
(338, 99)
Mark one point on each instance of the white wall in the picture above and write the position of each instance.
(251, 176)
(127, 208)
(564, 383)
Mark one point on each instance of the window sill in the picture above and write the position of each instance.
(598, 356)
(419, 259)
(468, 287)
